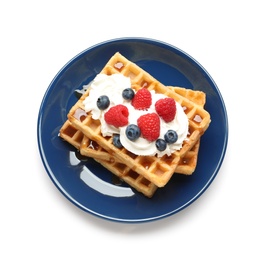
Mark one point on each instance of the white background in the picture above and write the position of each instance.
(39, 37)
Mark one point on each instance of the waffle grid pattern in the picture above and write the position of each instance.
(90, 148)
(156, 170)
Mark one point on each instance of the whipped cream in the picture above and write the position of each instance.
(113, 86)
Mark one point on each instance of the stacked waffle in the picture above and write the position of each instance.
(143, 173)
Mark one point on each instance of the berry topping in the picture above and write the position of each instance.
(161, 144)
(128, 94)
(171, 137)
(103, 102)
(149, 125)
(116, 141)
(117, 116)
(166, 109)
(132, 132)
(142, 99)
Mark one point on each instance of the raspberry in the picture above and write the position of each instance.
(142, 99)
(149, 125)
(166, 109)
(117, 116)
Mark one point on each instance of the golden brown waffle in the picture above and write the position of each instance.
(188, 162)
(196, 96)
(156, 170)
(72, 135)
(90, 148)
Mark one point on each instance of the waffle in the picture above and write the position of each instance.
(72, 135)
(90, 148)
(156, 170)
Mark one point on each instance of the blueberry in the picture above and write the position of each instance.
(116, 141)
(171, 136)
(161, 144)
(132, 132)
(103, 102)
(128, 94)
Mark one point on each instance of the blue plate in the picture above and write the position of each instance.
(90, 186)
